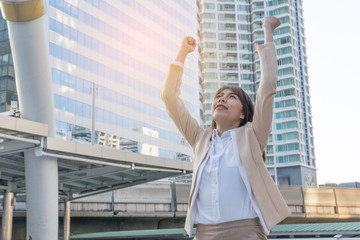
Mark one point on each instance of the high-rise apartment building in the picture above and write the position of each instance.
(231, 30)
(109, 60)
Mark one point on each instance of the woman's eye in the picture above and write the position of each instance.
(232, 96)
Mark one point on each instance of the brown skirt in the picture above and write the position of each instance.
(246, 229)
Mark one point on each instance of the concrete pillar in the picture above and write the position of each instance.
(67, 205)
(41, 177)
(28, 34)
(7, 218)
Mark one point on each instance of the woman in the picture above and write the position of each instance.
(232, 194)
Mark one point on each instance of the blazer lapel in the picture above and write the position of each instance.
(203, 149)
(245, 152)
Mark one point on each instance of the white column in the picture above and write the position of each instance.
(41, 177)
(67, 205)
(7, 218)
(28, 31)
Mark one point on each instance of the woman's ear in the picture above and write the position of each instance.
(242, 116)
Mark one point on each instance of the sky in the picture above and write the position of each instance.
(332, 31)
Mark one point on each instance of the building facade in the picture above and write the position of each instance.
(231, 30)
(109, 60)
(8, 94)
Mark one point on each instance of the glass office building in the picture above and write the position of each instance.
(109, 60)
(108, 65)
(231, 30)
(8, 94)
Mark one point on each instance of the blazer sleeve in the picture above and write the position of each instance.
(266, 92)
(187, 125)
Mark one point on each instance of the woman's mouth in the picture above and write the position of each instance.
(220, 106)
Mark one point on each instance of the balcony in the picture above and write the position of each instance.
(227, 17)
(229, 66)
(226, 7)
(257, 9)
(227, 27)
(259, 38)
(227, 36)
(228, 56)
(257, 28)
(228, 46)
(257, 18)
(229, 77)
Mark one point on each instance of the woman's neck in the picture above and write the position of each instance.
(222, 129)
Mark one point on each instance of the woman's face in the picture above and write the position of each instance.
(227, 108)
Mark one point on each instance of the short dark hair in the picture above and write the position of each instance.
(248, 105)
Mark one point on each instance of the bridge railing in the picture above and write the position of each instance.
(164, 199)
(323, 202)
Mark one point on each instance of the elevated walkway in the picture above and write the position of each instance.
(84, 170)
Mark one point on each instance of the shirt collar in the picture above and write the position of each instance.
(225, 134)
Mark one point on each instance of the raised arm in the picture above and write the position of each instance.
(186, 124)
(267, 88)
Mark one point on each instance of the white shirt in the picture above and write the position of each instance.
(223, 191)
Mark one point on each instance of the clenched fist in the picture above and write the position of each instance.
(188, 45)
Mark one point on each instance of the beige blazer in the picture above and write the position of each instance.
(251, 138)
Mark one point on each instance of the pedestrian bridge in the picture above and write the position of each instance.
(164, 199)
(83, 169)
